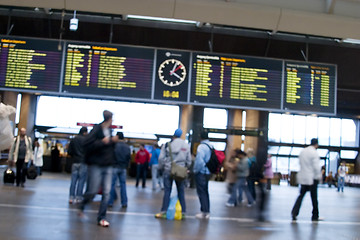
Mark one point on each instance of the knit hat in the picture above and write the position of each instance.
(178, 133)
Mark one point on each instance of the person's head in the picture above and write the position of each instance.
(22, 132)
(178, 132)
(142, 146)
(343, 163)
(314, 142)
(250, 152)
(204, 135)
(108, 116)
(83, 131)
(239, 153)
(120, 135)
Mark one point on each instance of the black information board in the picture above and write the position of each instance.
(108, 70)
(172, 75)
(309, 87)
(236, 81)
(30, 64)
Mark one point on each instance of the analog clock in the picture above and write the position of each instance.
(172, 72)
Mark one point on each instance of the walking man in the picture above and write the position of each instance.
(78, 167)
(122, 160)
(99, 155)
(21, 153)
(308, 176)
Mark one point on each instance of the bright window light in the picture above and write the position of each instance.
(348, 154)
(215, 118)
(18, 108)
(161, 19)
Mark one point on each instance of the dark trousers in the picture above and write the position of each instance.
(314, 200)
(251, 187)
(202, 188)
(20, 171)
(141, 171)
(263, 201)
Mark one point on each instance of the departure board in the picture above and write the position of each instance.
(236, 81)
(29, 64)
(172, 75)
(309, 87)
(113, 70)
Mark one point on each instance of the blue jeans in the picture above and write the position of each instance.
(118, 173)
(78, 177)
(156, 179)
(240, 185)
(202, 188)
(141, 170)
(180, 186)
(341, 184)
(98, 177)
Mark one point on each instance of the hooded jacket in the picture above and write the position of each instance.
(180, 151)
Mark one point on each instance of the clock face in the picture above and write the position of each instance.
(172, 72)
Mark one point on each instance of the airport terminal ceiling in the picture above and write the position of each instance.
(207, 38)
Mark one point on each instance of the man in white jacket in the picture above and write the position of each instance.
(308, 176)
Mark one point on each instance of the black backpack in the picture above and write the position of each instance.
(215, 161)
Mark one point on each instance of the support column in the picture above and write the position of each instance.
(252, 121)
(27, 113)
(197, 126)
(186, 118)
(233, 141)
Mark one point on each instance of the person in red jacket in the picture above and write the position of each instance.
(142, 159)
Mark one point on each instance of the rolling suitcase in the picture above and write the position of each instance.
(9, 176)
(31, 172)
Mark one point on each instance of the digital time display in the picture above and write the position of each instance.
(236, 81)
(108, 70)
(30, 64)
(309, 87)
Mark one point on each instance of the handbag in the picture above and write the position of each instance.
(177, 172)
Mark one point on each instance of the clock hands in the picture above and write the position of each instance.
(173, 71)
(176, 75)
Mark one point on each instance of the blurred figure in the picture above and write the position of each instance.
(268, 172)
(99, 155)
(242, 171)
(21, 153)
(251, 179)
(38, 156)
(230, 167)
(342, 172)
(154, 165)
(122, 159)
(78, 166)
(330, 180)
(202, 175)
(309, 177)
(55, 159)
(142, 159)
(180, 154)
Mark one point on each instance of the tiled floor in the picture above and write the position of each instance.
(41, 211)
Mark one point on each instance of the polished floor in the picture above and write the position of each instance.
(41, 211)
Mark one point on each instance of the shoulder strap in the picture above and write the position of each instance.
(211, 148)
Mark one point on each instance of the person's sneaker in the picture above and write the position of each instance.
(229, 204)
(160, 215)
(124, 206)
(317, 219)
(183, 216)
(293, 218)
(103, 223)
(71, 201)
(202, 216)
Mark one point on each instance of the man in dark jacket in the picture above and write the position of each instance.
(122, 159)
(78, 167)
(99, 155)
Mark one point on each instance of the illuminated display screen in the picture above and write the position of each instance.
(236, 81)
(309, 87)
(172, 75)
(30, 64)
(108, 70)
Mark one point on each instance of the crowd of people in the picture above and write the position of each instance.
(100, 159)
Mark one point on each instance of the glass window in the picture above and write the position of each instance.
(220, 146)
(333, 161)
(294, 164)
(335, 136)
(322, 152)
(215, 118)
(299, 129)
(274, 127)
(283, 165)
(348, 133)
(311, 128)
(295, 151)
(284, 150)
(273, 150)
(287, 128)
(348, 154)
(324, 131)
